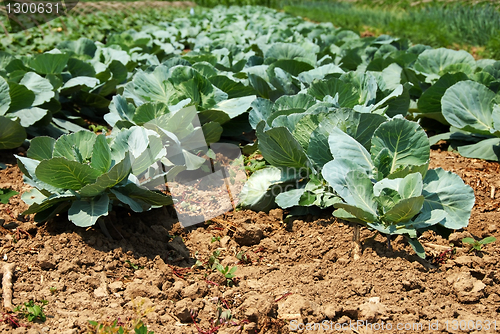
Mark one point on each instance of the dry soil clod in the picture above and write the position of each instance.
(7, 270)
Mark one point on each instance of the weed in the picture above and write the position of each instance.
(98, 128)
(252, 165)
(129, 326)
(214, 264)
(477, 245)
(444, 256)
(118, 327)
(181, 272)
(282, 297)
(228, 273)
(53, 289)
(18, 235)
(215, 239)
(12, 320)
(222, 318)
(133, 265)
(243, 258)
(32, 311)
(6, 194)
(213, 260)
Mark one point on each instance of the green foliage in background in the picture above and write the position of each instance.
(434, 25)
(96, 27)
(6, 194)
(213, 3)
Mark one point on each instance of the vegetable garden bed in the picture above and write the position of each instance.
(328, 124)
(296, 271)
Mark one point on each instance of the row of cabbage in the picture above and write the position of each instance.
(327, 107)
(83, 21)
(251, 51)
(371, 168)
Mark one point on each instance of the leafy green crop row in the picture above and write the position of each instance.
(438, 26)
(326, 105)
(404, 4)
(94, 26)
(371, 168)
(213, 3)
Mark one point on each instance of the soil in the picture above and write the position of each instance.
(289, 272)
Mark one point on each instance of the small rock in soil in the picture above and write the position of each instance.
(295, 304)
(343, 261)
(229, 261)
(224, 241)
(456, 238)
(351, 311)
(494, 298)
(100, 292)
(111, 266)
(372, 310)
(269, 245)
(196, 290)
(276, 214)
(178, 286)
(163, 267)
(361, 288)
(183, 310)
(217, 277)
(330, 311)
(45, 260)
(248, 235)
(252, 314)
(150, 276)
(411, 283)
(66, 267)
(116, 286)
(331, 255)
(250, 328)
(263, 303)
(91, 281)
(467, 288)
(464, 261)
(488, 259)
(139, 289)
(344, 319)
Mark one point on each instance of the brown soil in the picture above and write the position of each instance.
(295, 271)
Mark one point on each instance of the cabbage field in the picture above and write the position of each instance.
(241, 170)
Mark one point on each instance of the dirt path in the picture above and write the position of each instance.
(291, 272)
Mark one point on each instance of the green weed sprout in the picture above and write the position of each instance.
(32, 311)
(227, 272)
(477, 245)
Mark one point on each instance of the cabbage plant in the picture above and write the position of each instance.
(292, 136)
(389, 187)
(12, 134)
(473, 110)
(85, 175)
(373, 170)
